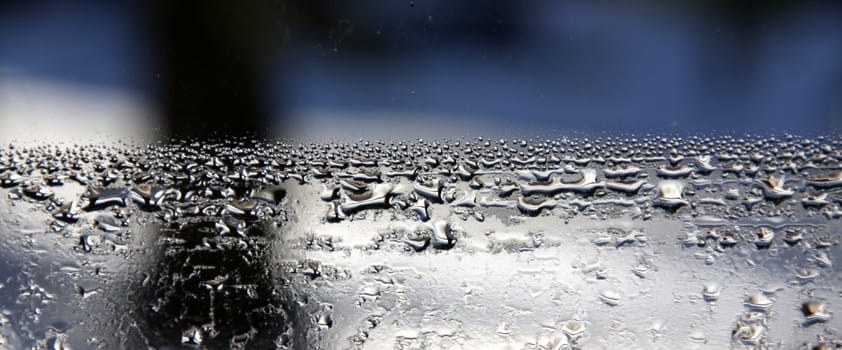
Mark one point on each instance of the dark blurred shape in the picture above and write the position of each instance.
(211, 290)
(212, 54)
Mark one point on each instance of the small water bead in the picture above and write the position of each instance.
(805, 275)
(192, 336)
(793, 236)
(759, 302)
(573, 329)
(10, 179)
(749, 334)
(69, 212)
(711, 290)
(610, 297)
(821, 258)
(670, 194)
(814, 312)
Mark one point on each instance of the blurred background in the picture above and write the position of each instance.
(375, 68)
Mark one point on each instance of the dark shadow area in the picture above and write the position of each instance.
(211, 291)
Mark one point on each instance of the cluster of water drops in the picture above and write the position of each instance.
(750, 196)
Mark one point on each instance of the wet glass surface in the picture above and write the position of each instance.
(273, 174)
(464, 243)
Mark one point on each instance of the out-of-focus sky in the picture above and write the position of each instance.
(442, 67)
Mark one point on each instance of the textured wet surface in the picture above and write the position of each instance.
(605, 242)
